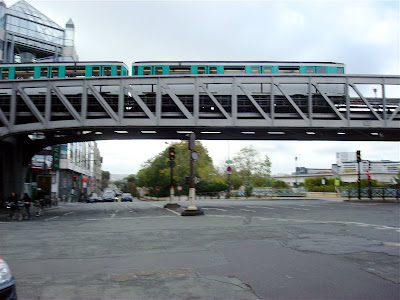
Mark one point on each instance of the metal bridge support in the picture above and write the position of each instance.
(14, 160)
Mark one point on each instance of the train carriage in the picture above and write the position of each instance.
(234, 68)
(62, 70)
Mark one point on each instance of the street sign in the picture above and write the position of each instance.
(179, 188)
(229, 162)
(171, 164)
(229, 169)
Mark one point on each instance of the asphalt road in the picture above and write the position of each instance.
(275, 249)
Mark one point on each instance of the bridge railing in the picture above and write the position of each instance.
(373, 192)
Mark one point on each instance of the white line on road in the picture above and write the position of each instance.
(52, 218)
(249, 210)
(260, 207)
(176, 213)
(292, 207)
(69, 213)
(208, 208)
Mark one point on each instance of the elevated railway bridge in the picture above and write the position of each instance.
(254, 107)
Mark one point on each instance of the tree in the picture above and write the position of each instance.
(252, 167)
(155, 174)
(105, 175)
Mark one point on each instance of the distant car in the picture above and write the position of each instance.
(108, 198)
(7, 282)
(126, 197)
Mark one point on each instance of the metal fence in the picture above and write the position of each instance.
(371, 193)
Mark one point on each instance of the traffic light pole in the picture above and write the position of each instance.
(171, 164)
(192, 209)
(358, 154)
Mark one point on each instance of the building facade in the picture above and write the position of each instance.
(27, 35)
(66, 171)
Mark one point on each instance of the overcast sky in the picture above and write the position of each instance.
(362, 34)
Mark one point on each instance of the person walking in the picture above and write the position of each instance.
(13, 203)
(40, 202)
(27, 201)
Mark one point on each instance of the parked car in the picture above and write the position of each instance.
(8, 290)
(126, 197)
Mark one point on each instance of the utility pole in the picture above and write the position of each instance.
(358, 153)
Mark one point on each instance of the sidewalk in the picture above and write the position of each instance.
(4, 212)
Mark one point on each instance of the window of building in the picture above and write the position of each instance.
(24, 73)
(5, 73)
(310, 70)
(267, 70)
(96, 71)
(54, 72)
(107, 71)
(321, 70)
(234, 70)
(289, 69)
(159, 70)
(146, 71)
(75, 71)
(43, 72)
(179, 70)
(201, 70)
(255, 70)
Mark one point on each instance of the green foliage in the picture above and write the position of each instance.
(252, 167)
(105, 175)
(276, 183)
(155, 172)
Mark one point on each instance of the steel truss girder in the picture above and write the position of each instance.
(182, 113)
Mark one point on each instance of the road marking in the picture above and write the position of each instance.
(208, 208)
(128, 218)
(174, 212)
(113, 215)
(249, 210)
(293, 207)
(52, 218)
(69, 213)
(260, 207)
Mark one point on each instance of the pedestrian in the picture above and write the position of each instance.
(27, 201)
(40, 202)
(13, 202)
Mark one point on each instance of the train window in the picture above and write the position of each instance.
(24, 73)
(179, 70)
(107, 71)
(119, 70)
(340, 70)
(4, 73)
(201, 70)
(96, 71)
(321, 70)
(135, 71)
(54, 73)
(255, 70)
(267, 69)
(43, 72)
(234, 70)
(310, 70)
(75, 71)
(146, 71)
(159, 70)
(213, 70)
(289, 69)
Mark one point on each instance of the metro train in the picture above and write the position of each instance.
(160, 68)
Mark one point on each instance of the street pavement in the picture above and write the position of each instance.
(240, 249)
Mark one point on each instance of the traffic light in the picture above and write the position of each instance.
(358, 155)
(171, 153)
